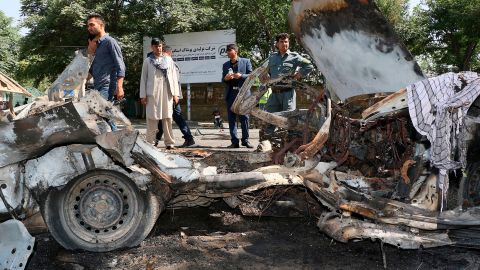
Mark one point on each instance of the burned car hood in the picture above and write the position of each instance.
(353, 46)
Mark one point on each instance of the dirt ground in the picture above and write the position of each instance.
(218, 237)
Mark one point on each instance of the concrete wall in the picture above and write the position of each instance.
(205, 98)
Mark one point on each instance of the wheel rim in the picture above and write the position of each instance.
(101, 208)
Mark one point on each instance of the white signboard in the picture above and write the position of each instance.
(199, 55)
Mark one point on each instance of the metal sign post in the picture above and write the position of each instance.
(189, 97)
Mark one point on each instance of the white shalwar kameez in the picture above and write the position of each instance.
(159, 91)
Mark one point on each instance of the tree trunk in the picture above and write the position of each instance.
(469, 54)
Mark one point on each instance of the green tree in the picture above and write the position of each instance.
(396, 11)
(56, 31)
(256, 23)
(448, 33)
(156, 18)
(58, 27)
(9, 41)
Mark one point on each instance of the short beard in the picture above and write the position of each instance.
(94, 34)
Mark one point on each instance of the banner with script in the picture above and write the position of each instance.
(199, 55)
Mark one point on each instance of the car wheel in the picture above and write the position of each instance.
(470, 186)
(100, 211)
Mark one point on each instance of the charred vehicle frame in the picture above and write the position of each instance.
(371, 166)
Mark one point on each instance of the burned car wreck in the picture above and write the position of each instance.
(394, 154)
(399, 167)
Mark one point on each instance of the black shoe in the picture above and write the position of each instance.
(155, 144)
(170, 147)
(234, 145)
(247, 144)
(188, 143)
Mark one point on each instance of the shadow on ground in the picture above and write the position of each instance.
(218, 237)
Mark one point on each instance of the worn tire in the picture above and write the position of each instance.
(469, 193)
(100, 211)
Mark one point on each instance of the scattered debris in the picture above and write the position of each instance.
(16, 245)
(374, 165)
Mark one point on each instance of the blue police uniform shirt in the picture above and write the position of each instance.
(288, 64)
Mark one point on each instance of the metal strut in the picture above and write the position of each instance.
(10, 209)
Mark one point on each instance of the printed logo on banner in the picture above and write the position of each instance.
(222, 51)
(199, 55)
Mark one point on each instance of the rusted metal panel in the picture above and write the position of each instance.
(150, 165)
(345, 229)
(308, 150)
(14, 192)
(390, 104)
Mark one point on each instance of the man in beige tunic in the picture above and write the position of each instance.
(159, 91)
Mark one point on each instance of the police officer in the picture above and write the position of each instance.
(284, 62)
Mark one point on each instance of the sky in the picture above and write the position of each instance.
(11, 8)
(411, 4)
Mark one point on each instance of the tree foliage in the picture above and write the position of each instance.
(58, 27)
(56, 31)
(256, 22)
(443, 34)
(396, 11)
(448, 32)
(9, 38)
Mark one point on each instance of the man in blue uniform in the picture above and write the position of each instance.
(284, 62)
(235, 71)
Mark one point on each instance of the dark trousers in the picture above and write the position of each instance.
(279, 102)
(107, 94)
(181, 123)
(232, 122)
